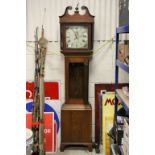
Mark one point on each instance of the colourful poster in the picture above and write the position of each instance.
(51, 113)
(108, 100)
(48, 130)
(55, 104)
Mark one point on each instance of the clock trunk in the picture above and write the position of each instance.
(76, 79)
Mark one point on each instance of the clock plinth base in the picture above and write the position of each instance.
(76, 126)
(66, 145)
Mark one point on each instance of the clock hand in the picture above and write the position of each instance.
(76, 36)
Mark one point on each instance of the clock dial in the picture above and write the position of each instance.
(77, 37)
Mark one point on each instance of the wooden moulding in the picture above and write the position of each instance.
(76, 107)
(76, 17)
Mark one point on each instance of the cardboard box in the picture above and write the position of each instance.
(123, 53)
(126, 130)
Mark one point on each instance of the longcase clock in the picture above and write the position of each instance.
(76, 33)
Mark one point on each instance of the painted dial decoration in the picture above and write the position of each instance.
(77, 37)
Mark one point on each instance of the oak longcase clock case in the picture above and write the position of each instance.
(76, 33)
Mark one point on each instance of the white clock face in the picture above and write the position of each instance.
(77, 37)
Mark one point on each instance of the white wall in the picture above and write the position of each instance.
(105, 11)
(102, 63)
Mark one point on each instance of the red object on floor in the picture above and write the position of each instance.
(49, 130)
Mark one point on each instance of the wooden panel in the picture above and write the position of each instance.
(75, 101)
(65, 126)
(76, 126)
(77, 59)
(76, 107)
(76, 81)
